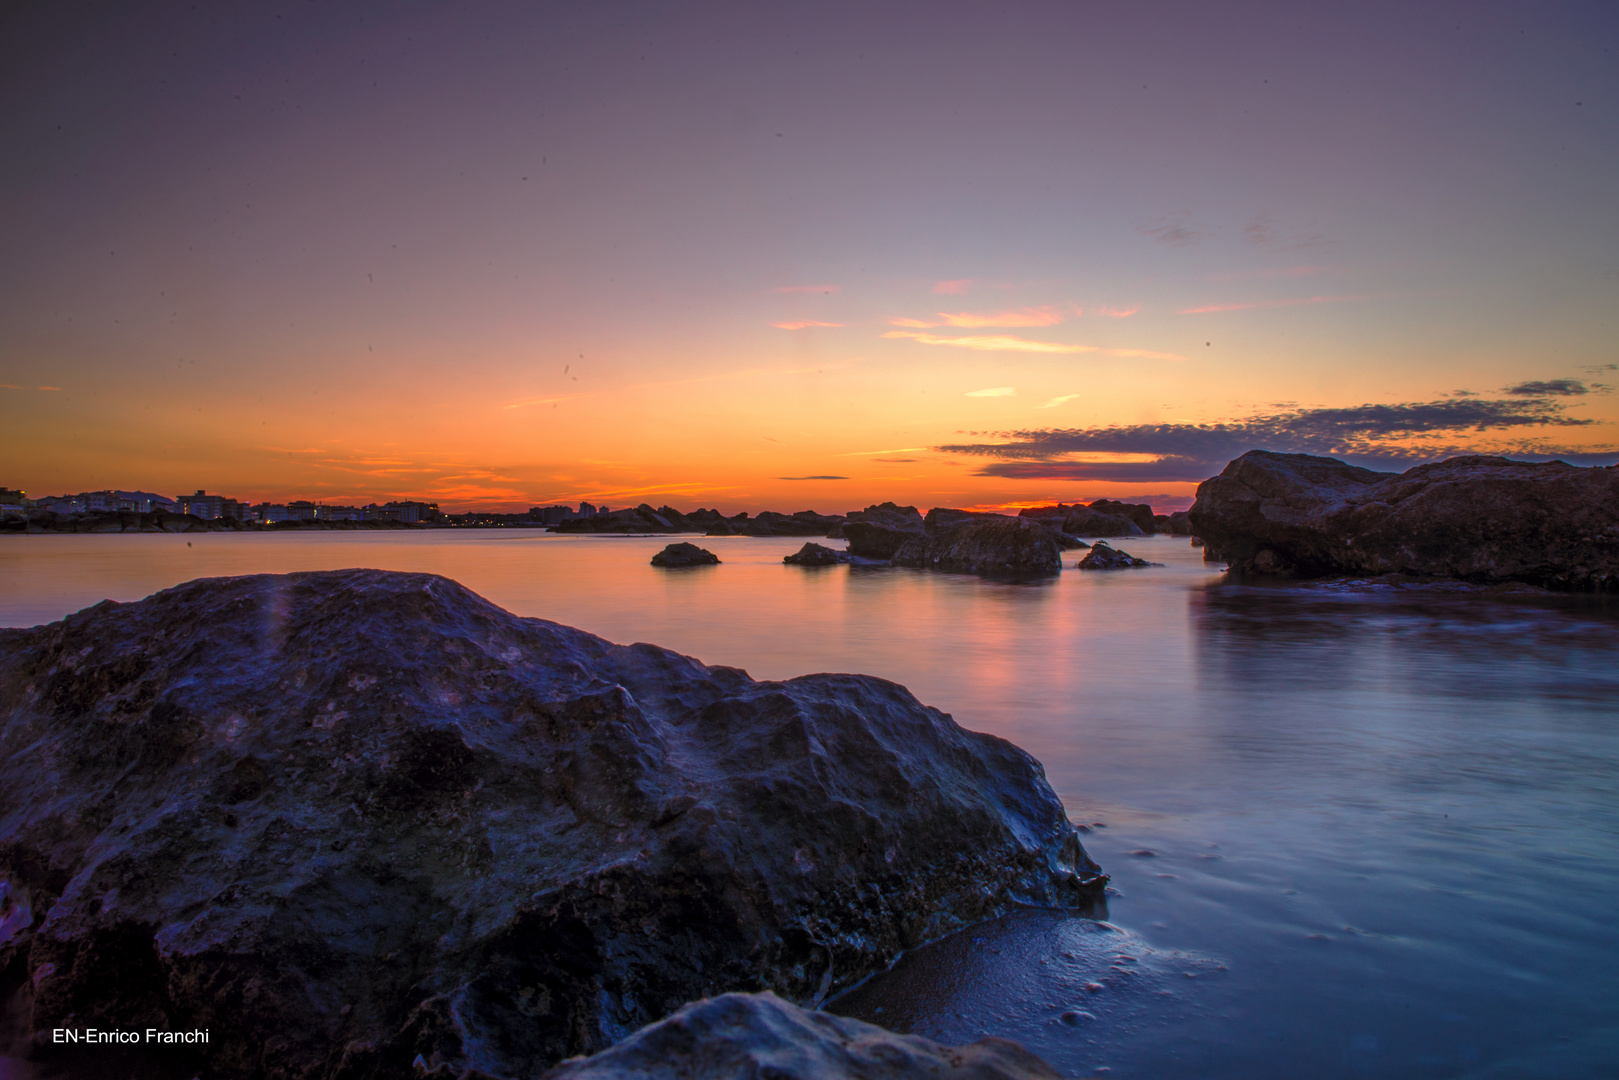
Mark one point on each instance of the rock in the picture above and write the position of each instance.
(999, 546)
(1177, 524)
(760, 1035)
(941, 517)
(816, 555)
(675, 556)
(343, 819)
(1140, 514)
(895, 517)
(721, 528)
(870, 540)
(1485, 520)
(1103, 557)
(1085, 521)
(803, 523)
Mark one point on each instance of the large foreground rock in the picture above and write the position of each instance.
(1480, 519)
(344, 819)
(1000, 547)
(759, 1035)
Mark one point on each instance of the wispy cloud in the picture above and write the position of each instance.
(47, 388)
(870, 453)
(529, 402)
(1050, 315)
(1177, 231)
(812, 478)
(1007, 343)
(1550, 387)
(1291, 302)
(1117, 313)
(1054, 402)
(802, 325)
(994, 391)
(1376, 436)
(824, 289)
(953, 286)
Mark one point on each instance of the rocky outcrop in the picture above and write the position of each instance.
(942, 517)
(1103, 557)
(895, 517)
(1080, 520)
(675, 556)
(870, 540)
(1176, 524)
(760, 1035)
(1485, 520)
(346, 819)
(1000, 547)
(1140, 514)
(816, 555)
(803, 523)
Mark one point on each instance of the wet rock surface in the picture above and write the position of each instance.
(675, 556)
(1480, 519)
(816, 555)
(747, 1035)
(1104, 557)
(347, 819)
(999, 546)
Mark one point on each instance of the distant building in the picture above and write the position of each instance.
(342, 513)
(304, 510)
(269, 513)
(13, 501)
(551, 515)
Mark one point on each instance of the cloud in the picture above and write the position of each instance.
(901, 450)
(1008, 343)
(47, 388)
(1178, 231)
(994, 391)
(896, 460)
(953, 287)
(1374, 436)
(1054, 402)
(1557, 387)
(1283, 272)
(824, 289)
(1272, 303)
(1050, 315)
(1118, 313)
(802, 325)
(812, 478)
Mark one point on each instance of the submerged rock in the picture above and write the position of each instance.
(999, 546)
(760, 1035)
(1103, 557)
(1480, 519)
(346, 819)
(816, 555)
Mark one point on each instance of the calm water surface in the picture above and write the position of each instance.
(1350, 833)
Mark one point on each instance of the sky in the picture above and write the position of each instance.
(798, 256)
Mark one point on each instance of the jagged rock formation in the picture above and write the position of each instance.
(675, 556)
(347, 819)
(816, 555)
(1103, 557)
(803, 523)
(1139, 513)
(999, 546)
(943, 517)
(759, 1035)
(895, 517)
(1083, 520)
(1480, 519)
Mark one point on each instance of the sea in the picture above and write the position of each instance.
(1353, 829)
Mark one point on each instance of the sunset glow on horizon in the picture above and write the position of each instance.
(722, 255)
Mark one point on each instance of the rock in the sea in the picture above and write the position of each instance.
(943, 517)
(895, 517)
(760, 1035)
(1486, 520)
(349, 818)
(1103, 557)
(675, 556)
(871, 540)
(640, 519)
(1080, 520)
(1140, 514)
(803, 523)
(998, 546)
(816, 555)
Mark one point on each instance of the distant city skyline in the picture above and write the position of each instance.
(766, 257)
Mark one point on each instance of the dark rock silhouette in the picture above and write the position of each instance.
(346, 819)
(1139, 513)
(1485, 520)
(803, 523)
(678, 555)
(895, 517)
(816, 555)
(1103, 557)
(760, 1035)
(1000, 546)
(942, 517)
(1079, 520)
(871, 540)
(640, 519)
